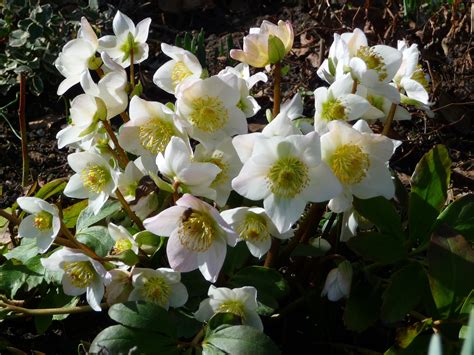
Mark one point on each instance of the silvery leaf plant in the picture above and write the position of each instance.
(181, 219)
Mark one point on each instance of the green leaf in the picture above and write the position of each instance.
(54, 297)
(468, 346)
(270, 284)
(12, 278)
(143, 315)
(363, 306)
(418, 346)
(25, 251)
(308, 250)
(382, 248)
(459, 215)
(148, 238)
(450, 260)
(119, 339)
(96, 238)
(429, 185)
(51, 188)
(236, 258)
(71, 213)
(36, 85)
(239, 340)
(88, 218)
(382, 213)
(404, 292)
(405, 336)
(18, 38)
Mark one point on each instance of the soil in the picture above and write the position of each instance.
(445, 41)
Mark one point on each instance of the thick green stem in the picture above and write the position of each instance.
(22, 117)
(388, 122)
(276, 88)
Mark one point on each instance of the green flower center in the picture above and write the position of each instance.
(253, 228)
(95, 177)
(420, 77)
(179, 73)
(241, 105)
(80, 273)
(121, 245)
(43, 220)
(127, 47)
(333, 109)
(155, 135)
(222, 177)
(287, 177)
(232, 306)
(208, 114)
(156, 289)
(197, 231)
(376, 101)
(349, 163)
(373, 61)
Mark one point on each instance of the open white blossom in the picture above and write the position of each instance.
(241, 302)
(127, 38)
(287, 172)
(182, 66)
(198, 236)
(43, 224)
(94, 179)
(122, 238)
(162, 286)
(81, 274)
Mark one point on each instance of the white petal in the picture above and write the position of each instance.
(284, 212)
(211, 261)
(180, 258)
(178, 296)
(165, 222)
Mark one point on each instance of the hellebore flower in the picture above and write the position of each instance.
(198, 236)
(122, 238)
(127, 37)
(77, 57)
(241, 302)
(182, 66)
(94, 179)
(242, 70)
(359, 160)
(162, 286)
(338, 282)
(43, 224)
(119, 288)
(265, 45)
(150, 128)
(208, 110)
(254, 227)
(287, 172)
(80, 274)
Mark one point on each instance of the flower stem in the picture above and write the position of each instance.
(354, 87)
(22, 117)
(132, 69)
(121, 155)
(84, 248)
(49, 311)
(276, 88)
(198, 337)
(272, 254)
(129, 211)
(11, 218)
(388, 122)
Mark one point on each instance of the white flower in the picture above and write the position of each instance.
(337, 103)
(150, 128)
(183, 65)
(287, 172)
(208, 109)
(122, 238)
(242, 70)
(254, 227)
(80, 274)
(43, 224)
(225, 158)
(119, 288)
(127, 37)
(128, 181)
(241, 302)
(77, 56)
(178, 166)
(381, 103)
(359, 160)
(410, 77)
(351, 222)
(280, 126)
(94, 179)
(338, 282)
(198, 236)
(162, 286)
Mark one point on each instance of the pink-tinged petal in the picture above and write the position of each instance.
(165, 222)
(211, 261)
(180, 258)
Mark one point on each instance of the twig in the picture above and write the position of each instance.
(22, 118)
(49, 311)
(354, 87)
(272, 254)
(128, 210)
(121, 155)
(11, 218)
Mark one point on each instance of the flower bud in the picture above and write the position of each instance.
(276, 49)
(338, 282)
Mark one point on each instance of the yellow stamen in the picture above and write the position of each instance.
(333, 109)
(43, 220)
(288, 177)
(349, 163)
(80, 273)
(121, 245)
(197, 231)
(179, 73)
(208, 114)
(232, 306)
(95, 177)
(155, 135)
(253, 228)
(156, 289)
(373, 61)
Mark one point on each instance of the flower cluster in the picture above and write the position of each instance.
(197, 150)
